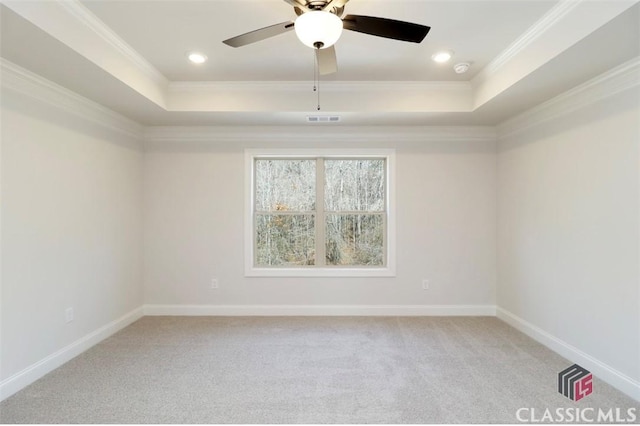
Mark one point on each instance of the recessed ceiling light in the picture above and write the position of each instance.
(443, 56)
(197, 58)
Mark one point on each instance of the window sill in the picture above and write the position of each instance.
(319, 272)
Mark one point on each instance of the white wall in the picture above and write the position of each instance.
(71, 229)
(569, 231)
(76, 199)
(446, 232)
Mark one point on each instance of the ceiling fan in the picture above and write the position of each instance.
(320, 24)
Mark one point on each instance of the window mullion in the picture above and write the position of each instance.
(320, 221)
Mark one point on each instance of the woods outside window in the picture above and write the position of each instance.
(319, 213)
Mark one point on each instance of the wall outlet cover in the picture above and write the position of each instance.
(68, 315)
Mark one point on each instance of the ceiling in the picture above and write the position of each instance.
(202, 25)
(131, 57)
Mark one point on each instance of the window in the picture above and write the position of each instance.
(319, 213)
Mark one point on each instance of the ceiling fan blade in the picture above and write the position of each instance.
(327, 61)
(388, 28)
(258, 35)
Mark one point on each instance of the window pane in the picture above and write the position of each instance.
(354, 185)
(285, 240)
(355, 240)
(285, 185)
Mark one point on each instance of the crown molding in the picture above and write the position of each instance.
(32, 85)
(289, 134)
(91, 21)
(616, 80)
(72, 24)
(552, 17)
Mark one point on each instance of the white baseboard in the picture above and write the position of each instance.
(601, 370)
(22, 379)
(319, 310)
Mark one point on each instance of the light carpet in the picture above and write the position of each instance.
(305, 370)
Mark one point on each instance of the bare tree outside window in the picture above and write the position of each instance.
(285, 203)
(349, 229)
(355, 203)
(285, 185)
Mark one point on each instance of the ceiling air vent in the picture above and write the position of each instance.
(323, 119)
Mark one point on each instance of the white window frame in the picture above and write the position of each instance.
(388, 270)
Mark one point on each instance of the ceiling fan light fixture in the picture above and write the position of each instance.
(318, 29)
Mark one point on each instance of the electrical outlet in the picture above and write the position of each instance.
(425, 284)
(68, 315)
(214, 283)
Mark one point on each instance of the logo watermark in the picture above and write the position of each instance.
(575, 382)
(577, 415)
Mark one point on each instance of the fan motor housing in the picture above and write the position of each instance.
(316, 4)
(319, 5)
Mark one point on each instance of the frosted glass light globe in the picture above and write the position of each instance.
(318, 28)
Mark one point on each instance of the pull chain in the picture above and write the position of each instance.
(318, 90)
(315, 68)
(318, 74)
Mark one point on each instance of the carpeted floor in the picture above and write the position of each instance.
(304, 370)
